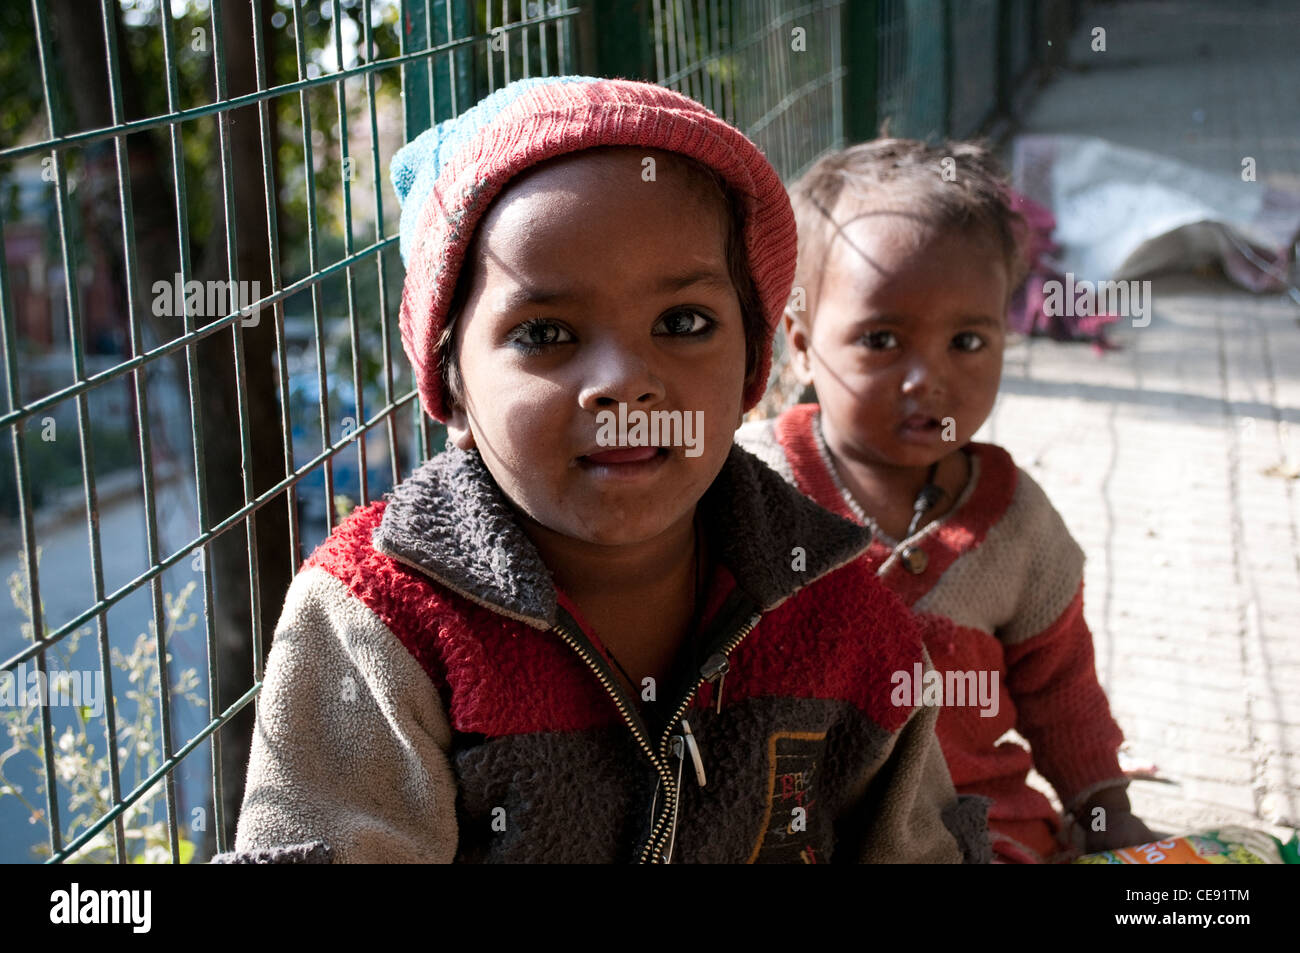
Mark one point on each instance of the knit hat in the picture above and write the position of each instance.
(446, 178)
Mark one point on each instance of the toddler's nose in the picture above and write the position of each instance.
(922, 378)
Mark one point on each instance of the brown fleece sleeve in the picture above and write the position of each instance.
(912, 811)
(349, 757)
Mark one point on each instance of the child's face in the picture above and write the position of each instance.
(594, 287)
(906, 343)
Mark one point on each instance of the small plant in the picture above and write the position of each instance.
(83, 773)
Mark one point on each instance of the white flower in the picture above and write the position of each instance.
(67, 741)
(66, 767)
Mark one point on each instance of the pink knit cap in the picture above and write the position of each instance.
(447, 177)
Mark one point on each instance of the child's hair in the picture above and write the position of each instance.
(706, 181)
(953, 185)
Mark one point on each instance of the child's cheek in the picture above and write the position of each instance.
(519, 423)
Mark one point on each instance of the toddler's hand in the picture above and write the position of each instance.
(1119, 826)
(1123, 829)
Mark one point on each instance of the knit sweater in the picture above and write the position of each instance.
(1001, 592)
(431, 697)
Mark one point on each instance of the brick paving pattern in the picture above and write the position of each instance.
(1175, 460)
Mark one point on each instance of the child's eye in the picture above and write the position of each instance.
(968, 341)
(685, 322)
(538, 333)
(880, 340)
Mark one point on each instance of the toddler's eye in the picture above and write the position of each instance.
(968, 341)
(880, 340)
(538, 333)
(684, 322)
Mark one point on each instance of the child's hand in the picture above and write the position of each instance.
(1119, 826)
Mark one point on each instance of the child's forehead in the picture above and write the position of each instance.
(563, 218)
(896, 258)
(874, 238)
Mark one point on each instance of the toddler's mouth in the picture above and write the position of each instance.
(920, 423)
(924, 429)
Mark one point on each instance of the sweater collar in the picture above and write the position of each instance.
(450, 521)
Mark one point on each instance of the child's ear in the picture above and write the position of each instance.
(799, 338)
(458, 429)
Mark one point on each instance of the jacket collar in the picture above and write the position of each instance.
(450, 521)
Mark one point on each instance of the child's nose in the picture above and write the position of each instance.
(619, 375)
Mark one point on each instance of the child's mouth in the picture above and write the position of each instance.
(624, 461)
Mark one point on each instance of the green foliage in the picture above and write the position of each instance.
(20, 79)
(82, 773)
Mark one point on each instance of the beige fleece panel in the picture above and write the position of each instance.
(759, 438)
(1020, 579)
(351, 741)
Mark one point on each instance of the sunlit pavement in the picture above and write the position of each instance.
(1175, 460)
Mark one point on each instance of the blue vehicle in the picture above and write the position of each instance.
(304, 404)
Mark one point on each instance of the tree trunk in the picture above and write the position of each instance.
(83, 62)
(221, 439)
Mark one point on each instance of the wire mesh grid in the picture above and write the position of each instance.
(974, 66)
(910, 52)
(96, 349)
(775, 72)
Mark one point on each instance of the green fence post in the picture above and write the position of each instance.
(1004, 69)
(949, 76)
(614, 40)
(414, 31)
(861, 95)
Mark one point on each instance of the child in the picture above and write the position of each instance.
(521, 653)
(907, 258)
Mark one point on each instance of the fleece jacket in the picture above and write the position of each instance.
(431, 697)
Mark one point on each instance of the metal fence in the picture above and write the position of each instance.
(95, 766)
(138, 765)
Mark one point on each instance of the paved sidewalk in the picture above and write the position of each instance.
(1175, 461)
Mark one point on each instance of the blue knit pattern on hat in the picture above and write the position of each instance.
(416, 166)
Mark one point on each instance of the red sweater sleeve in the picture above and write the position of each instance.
(1062, 710)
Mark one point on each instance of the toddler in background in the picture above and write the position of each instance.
(908, 256)
(521, 653)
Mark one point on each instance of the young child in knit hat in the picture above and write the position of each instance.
(592, 629)
(908, 255)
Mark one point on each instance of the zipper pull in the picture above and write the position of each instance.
(694, 749)
(678, 748)
(715, 669)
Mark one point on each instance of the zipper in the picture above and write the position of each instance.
(655, 846)
(715, 669)
(607, 683)
(663, 833)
